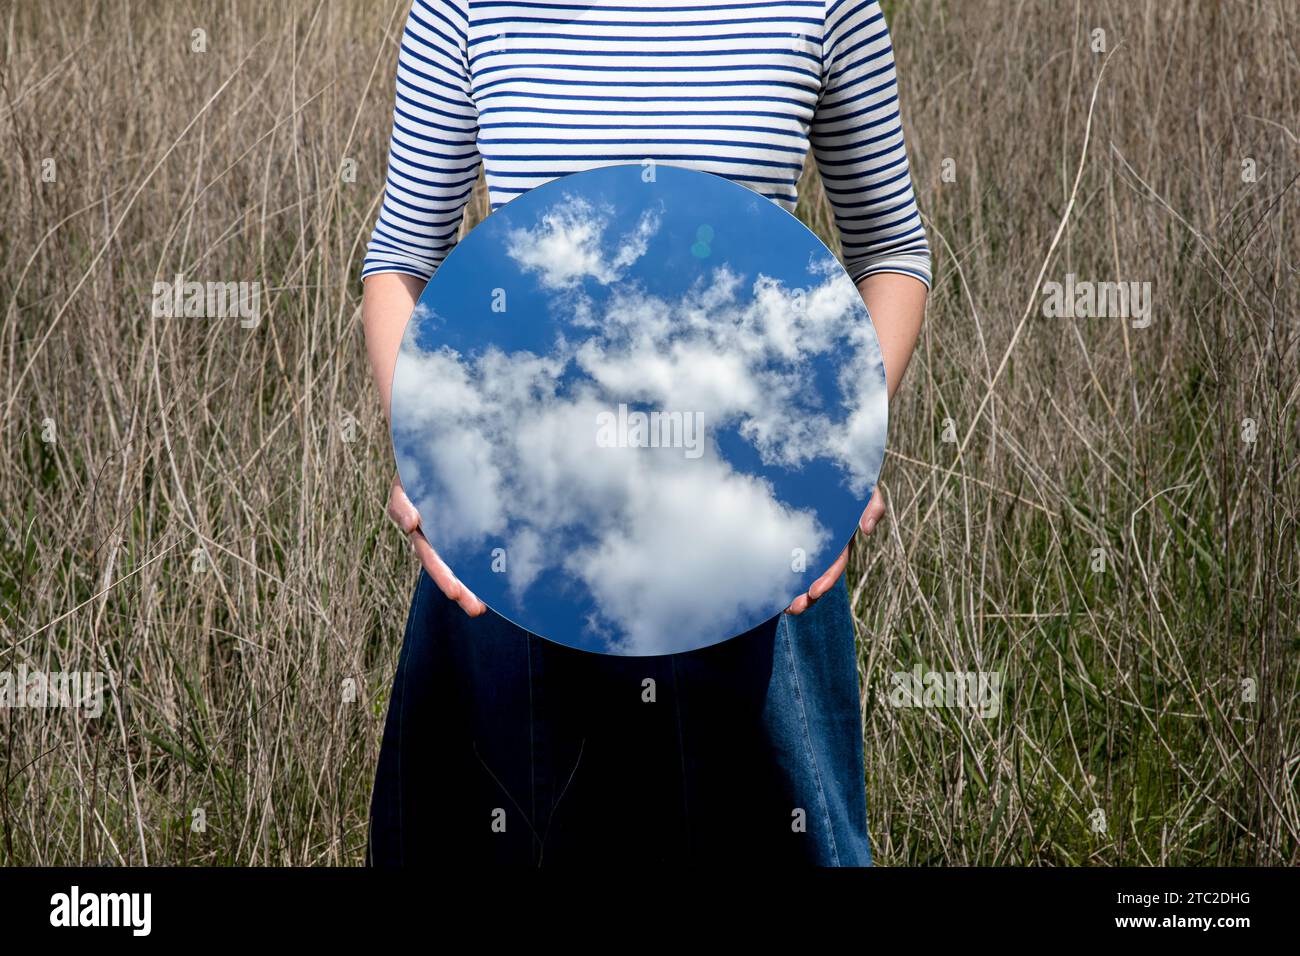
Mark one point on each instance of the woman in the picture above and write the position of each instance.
(500, 746)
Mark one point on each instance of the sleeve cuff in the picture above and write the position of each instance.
(918, 267)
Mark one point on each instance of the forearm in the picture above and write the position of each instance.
(897, 306)
(387, 301)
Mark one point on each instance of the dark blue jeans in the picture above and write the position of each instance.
(501, 747)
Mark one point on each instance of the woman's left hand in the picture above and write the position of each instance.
(866, 524)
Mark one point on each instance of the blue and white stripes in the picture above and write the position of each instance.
(534, 90)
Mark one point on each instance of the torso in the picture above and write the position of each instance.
(726, 87)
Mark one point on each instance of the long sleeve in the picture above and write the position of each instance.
(433, 158)
(857, 139)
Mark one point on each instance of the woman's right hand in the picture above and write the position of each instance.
(407, 519)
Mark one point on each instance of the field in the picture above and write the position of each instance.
(1102, 509)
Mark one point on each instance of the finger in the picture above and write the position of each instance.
(827, 580)
(401, 511)
(798, 605)
(820, 586)
(442, 575)
(875, 510)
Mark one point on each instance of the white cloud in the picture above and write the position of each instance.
(702, 548)
(568, 245)
(525, 560)
(670, 549)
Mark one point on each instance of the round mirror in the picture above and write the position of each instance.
(639, 409)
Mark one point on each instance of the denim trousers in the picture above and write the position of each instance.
(501, 747)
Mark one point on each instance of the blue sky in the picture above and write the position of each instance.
(689, 295)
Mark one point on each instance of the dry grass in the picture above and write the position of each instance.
(1123, 686)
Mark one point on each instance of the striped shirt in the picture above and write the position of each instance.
(532, 90)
